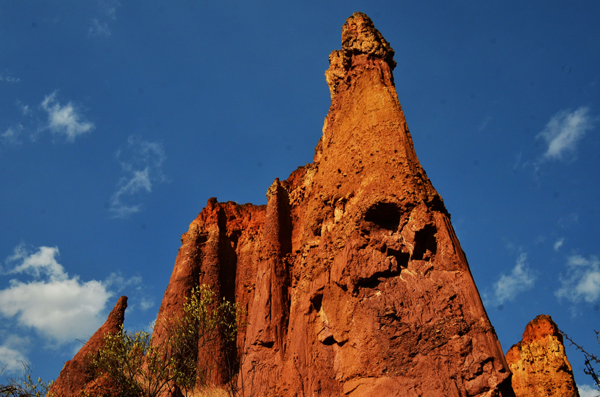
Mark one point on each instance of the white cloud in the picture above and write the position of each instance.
(588, 391)
(142, 168)
(11, 353)
(57, 306)
(519, 280)
(582, 281)
(564, 131)
(559, 243)
(65, 120)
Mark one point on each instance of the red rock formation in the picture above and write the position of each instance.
(352, 276)
(75, 375)
(539, 363)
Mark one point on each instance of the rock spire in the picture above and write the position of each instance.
(352, 276)
(539, 363)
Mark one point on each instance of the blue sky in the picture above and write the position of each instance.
(118, 120)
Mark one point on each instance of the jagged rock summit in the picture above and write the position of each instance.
(352, 277)
(539, 363)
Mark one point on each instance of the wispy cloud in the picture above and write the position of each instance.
(564, 131)
(582, 280)
(65, 120)
(7, 78)
(484, 123)
(50, 115)
(509, 286)
(12, 135)
(108, 15)
(559, 243)
(142, 163)
(99, 28)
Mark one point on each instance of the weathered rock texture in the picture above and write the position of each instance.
(75, 375)
(539, 363)
(352, 276)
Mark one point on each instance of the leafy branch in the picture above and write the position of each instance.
(25, 385)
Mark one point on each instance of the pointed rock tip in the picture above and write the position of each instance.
(117, 315)
(359, 36)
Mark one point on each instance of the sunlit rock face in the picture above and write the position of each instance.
(76, 376)
(352, 277)
(539, 363)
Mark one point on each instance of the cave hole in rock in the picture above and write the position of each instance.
(401, 257)
(425, 241)
(317, 227)
(317, 301)
(384, 215)
(201, 239)
(330, 340)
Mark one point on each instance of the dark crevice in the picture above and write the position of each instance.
(425, 241)
(384, 215)
(317, 227)
(371, 282)
(227, 275)
(401, 257)
(202, 238)
(317, 301)
(234, 236)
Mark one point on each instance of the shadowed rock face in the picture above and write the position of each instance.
(75, 375)
(539, 363)
(352, 276)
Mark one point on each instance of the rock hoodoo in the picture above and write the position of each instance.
(75, 376)
(352, 277)
(539, 363)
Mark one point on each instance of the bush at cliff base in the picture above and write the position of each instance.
(129, 364)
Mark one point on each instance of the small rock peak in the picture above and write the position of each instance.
(359, 36)
(75, 375)
(117, 315)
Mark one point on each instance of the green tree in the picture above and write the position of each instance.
(130, 364)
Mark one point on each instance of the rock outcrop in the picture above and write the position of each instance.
(539, 363)
(352, 277)
(75, 375)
